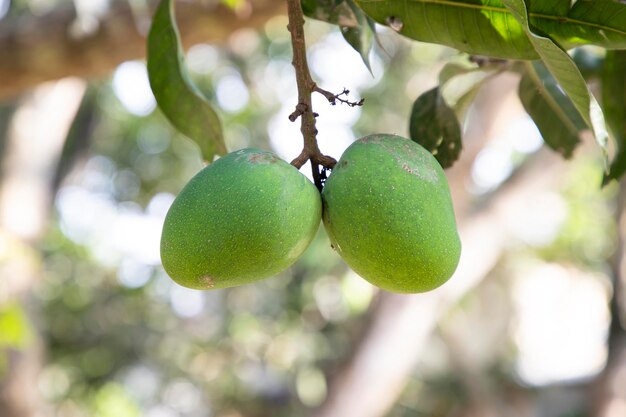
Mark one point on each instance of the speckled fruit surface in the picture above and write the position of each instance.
(389, 215)
(247, 216)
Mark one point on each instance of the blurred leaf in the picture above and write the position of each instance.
(614, 103)
(434, 125)
(552, 111)
(459, 83)
(590, 61)
(178, 98)
(564, 70)
(336, 12)
(487, 27)
(360, 37)
(233, 4)
(113, 401)
(15, 330)
(434, 121)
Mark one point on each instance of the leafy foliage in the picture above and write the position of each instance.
(434, 125)
(178, 98)
(361, 37)
(512, 29)
(564, 70)
(519, 29)
(460, 82)
(488, 27)
(552, 111)
(614, 102)
(435, 117)
(481, 27)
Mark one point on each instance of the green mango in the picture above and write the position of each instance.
(389, 215)
(247, 216)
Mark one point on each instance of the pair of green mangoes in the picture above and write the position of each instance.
(250, 215)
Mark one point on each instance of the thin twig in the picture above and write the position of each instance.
(304, 108)
(334, 98)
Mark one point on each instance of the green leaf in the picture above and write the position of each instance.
(564, 70)
(487, 27)
(233, 4)
(481, 27)
(590, 61)
(597, 22)
(552, 111)
(434, 121)
(16, 331)
(614, 103)
(112, 400)
(459, 83)
(434, 125)
(336, 12)
(360, 37)
(179, 100)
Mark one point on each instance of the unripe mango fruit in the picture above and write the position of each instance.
(389, 215)
(247, 216)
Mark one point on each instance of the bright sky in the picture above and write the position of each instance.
(132, 88)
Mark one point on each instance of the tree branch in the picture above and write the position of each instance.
(334, 98)
(38, 49)
(304, 108)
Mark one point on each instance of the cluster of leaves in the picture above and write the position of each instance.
(539, 33)
(552, 88)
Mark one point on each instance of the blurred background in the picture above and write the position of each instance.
(90, 325)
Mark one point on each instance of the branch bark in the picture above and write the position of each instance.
(35, 50)
(306, 86)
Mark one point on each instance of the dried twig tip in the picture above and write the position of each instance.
(301, 108)
(334, 98)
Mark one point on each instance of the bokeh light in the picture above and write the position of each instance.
(132, 88)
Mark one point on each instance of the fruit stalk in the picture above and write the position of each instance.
(306, 86)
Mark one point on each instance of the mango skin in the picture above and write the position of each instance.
(389, 215)
(247, 216)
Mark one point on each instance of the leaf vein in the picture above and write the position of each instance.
(556, 18)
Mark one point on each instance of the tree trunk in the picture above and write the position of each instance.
(35, 140)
